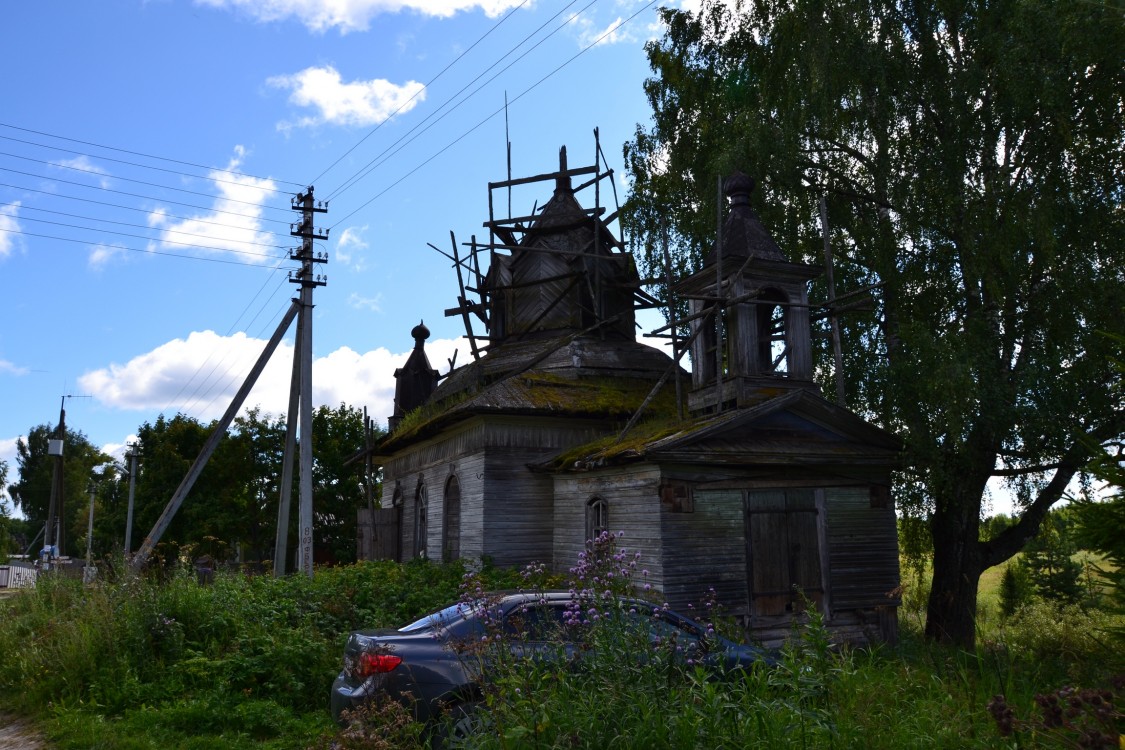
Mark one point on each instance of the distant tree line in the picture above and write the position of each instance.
(231, 512)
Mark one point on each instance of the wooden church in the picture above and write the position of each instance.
(563, 425)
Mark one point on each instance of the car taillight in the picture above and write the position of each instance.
(370, 664)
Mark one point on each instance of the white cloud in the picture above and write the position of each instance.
(12, 369)
(234, 224)
(352, 15)
(374, 304)
(350, 247)
(165, 378)
(101, 254)
(613, 33)
(9, 228)
(357, 104)
(82, 163)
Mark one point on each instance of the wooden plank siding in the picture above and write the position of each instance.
(633, 500)
(706, 548)
(862, 549)
(498, 492)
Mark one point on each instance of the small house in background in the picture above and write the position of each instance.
(563, 425)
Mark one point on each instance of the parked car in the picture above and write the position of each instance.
(434, 665)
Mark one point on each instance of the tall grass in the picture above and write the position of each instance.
(246, 662)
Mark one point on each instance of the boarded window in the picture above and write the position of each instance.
(783, 551)
(420, 510)
(451, 528)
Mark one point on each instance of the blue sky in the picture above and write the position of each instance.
(146, 285)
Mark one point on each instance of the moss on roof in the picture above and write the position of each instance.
(537, 393)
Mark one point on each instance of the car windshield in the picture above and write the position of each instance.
(442, 617)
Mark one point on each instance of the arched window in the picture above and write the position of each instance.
(451, 526)
(420, 510)
(597, 517)
(773, 330)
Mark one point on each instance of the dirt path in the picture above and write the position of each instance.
(17, 734)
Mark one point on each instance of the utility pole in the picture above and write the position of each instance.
(89, 573)
(53, 536)
(132, 456)
(302, 363)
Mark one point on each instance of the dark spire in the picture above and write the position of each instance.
(414, 381)
(743, 233)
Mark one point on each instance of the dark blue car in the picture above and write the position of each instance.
(434, 665)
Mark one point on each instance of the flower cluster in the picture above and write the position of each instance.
(1088, 716)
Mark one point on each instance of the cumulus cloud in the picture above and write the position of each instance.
(234, 223)
(171, 379)
(351, 15)
(9, 228)
(101, 254)
(12, 369)
(613, 33)
(354, 104)
(374, 304)
(82, 163)
(350, 247)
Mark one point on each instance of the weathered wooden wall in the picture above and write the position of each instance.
(633, 499)
(498, 491)
(862, 548)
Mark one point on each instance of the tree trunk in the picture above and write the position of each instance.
(958, 564)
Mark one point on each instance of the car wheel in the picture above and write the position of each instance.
(460, 721)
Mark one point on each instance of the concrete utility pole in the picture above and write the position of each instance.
(53, 536)
(132, 456)
(89, 573)
(302, 363)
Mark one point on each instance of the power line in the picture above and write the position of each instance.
(128, 179)
(425, 86)
(526, 91)
(143, 197)
(142, 226)
(147, 156)
(379, 160)
(139, 250)
(154, 239)
(146, 166)
(192, 397)
(141, 210)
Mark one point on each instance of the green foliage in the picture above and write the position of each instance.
(32, 493)
(1049, 561)
(1015, 589)
(244, 660)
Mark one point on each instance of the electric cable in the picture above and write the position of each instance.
(145, 197)
(129, 179)
(425, 86)
(523, 93)
(140, 250)
(129, 208)
(205, 384)
(379, 160)
(149, 227)
(147, 156)
(147, 166)
(155, 239)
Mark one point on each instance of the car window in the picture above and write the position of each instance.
(441, 618)
(664, 625)
(536, 622)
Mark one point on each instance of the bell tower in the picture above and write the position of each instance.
(749, 313)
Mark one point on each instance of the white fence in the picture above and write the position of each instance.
(17, 575)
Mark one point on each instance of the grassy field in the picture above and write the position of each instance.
(246, 663)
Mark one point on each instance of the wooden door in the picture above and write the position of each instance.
(783, 551)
